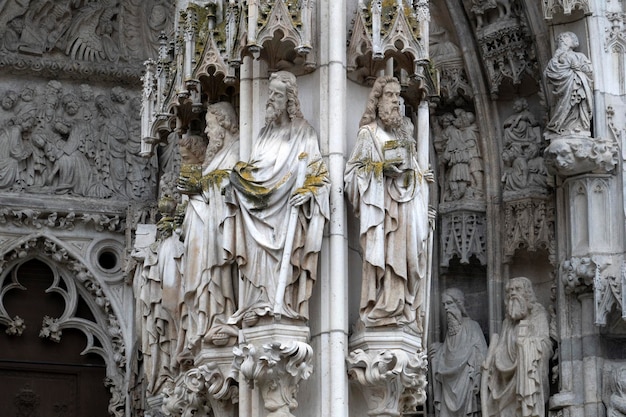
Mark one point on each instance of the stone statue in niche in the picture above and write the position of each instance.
(461, 156)
(158, 294)
(515, 375)
(279, 205)
(570, 75)
(384, 184)
(523, 164)
(456, 363)
(209, 296)
(616, 403)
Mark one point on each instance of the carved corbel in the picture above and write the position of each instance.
(202, 392)
(276, 370)
(393, 381)
(568, 156)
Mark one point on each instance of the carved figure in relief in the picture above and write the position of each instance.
(456, 363)
(616, 404)
(456, 156)
(570, 75)
(515, 376)
(209, 298)
(113, 142)
(279, 202)
(470, 134)
(14, 153)
(524, 165)
(70, 171)
(384, 184)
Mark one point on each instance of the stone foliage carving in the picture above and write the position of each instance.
(203, 391)
(393, 381)
(602, 274)
(524, 168)
(458, 152)
(515, 375)
(569, 73)
(279, 205)
(385, 186)
(277, 370)
(529, 223)
(106, 38)
(70, 140)
(463, 235)
(456, 363)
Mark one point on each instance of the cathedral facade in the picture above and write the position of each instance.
(278, 208)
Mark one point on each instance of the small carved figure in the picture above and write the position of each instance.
(457, 362)
(570, 74)
(384, 185)
(279, 206)
(71, 171)
(14, 153)
(515, 375)
(210, 276)
(470, 134)
(464, 175)
(524, 166)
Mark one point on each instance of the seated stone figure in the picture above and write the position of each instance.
(515, 375)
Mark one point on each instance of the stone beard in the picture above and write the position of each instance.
(457, 362)
(384, 185)
(516, 369)
(264, 192)
(389, 115)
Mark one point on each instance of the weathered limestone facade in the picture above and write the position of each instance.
(517, 112)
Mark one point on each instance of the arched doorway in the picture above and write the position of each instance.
(43, 371)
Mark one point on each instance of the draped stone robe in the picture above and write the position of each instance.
(209, 296)
(393, 231)
(257, 225)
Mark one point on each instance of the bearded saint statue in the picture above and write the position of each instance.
(515, 378)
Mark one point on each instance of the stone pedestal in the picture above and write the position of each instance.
(273, 359)
(391, 367)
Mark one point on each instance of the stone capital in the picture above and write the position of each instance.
(391, 369)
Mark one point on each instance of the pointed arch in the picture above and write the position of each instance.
(73, 282)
